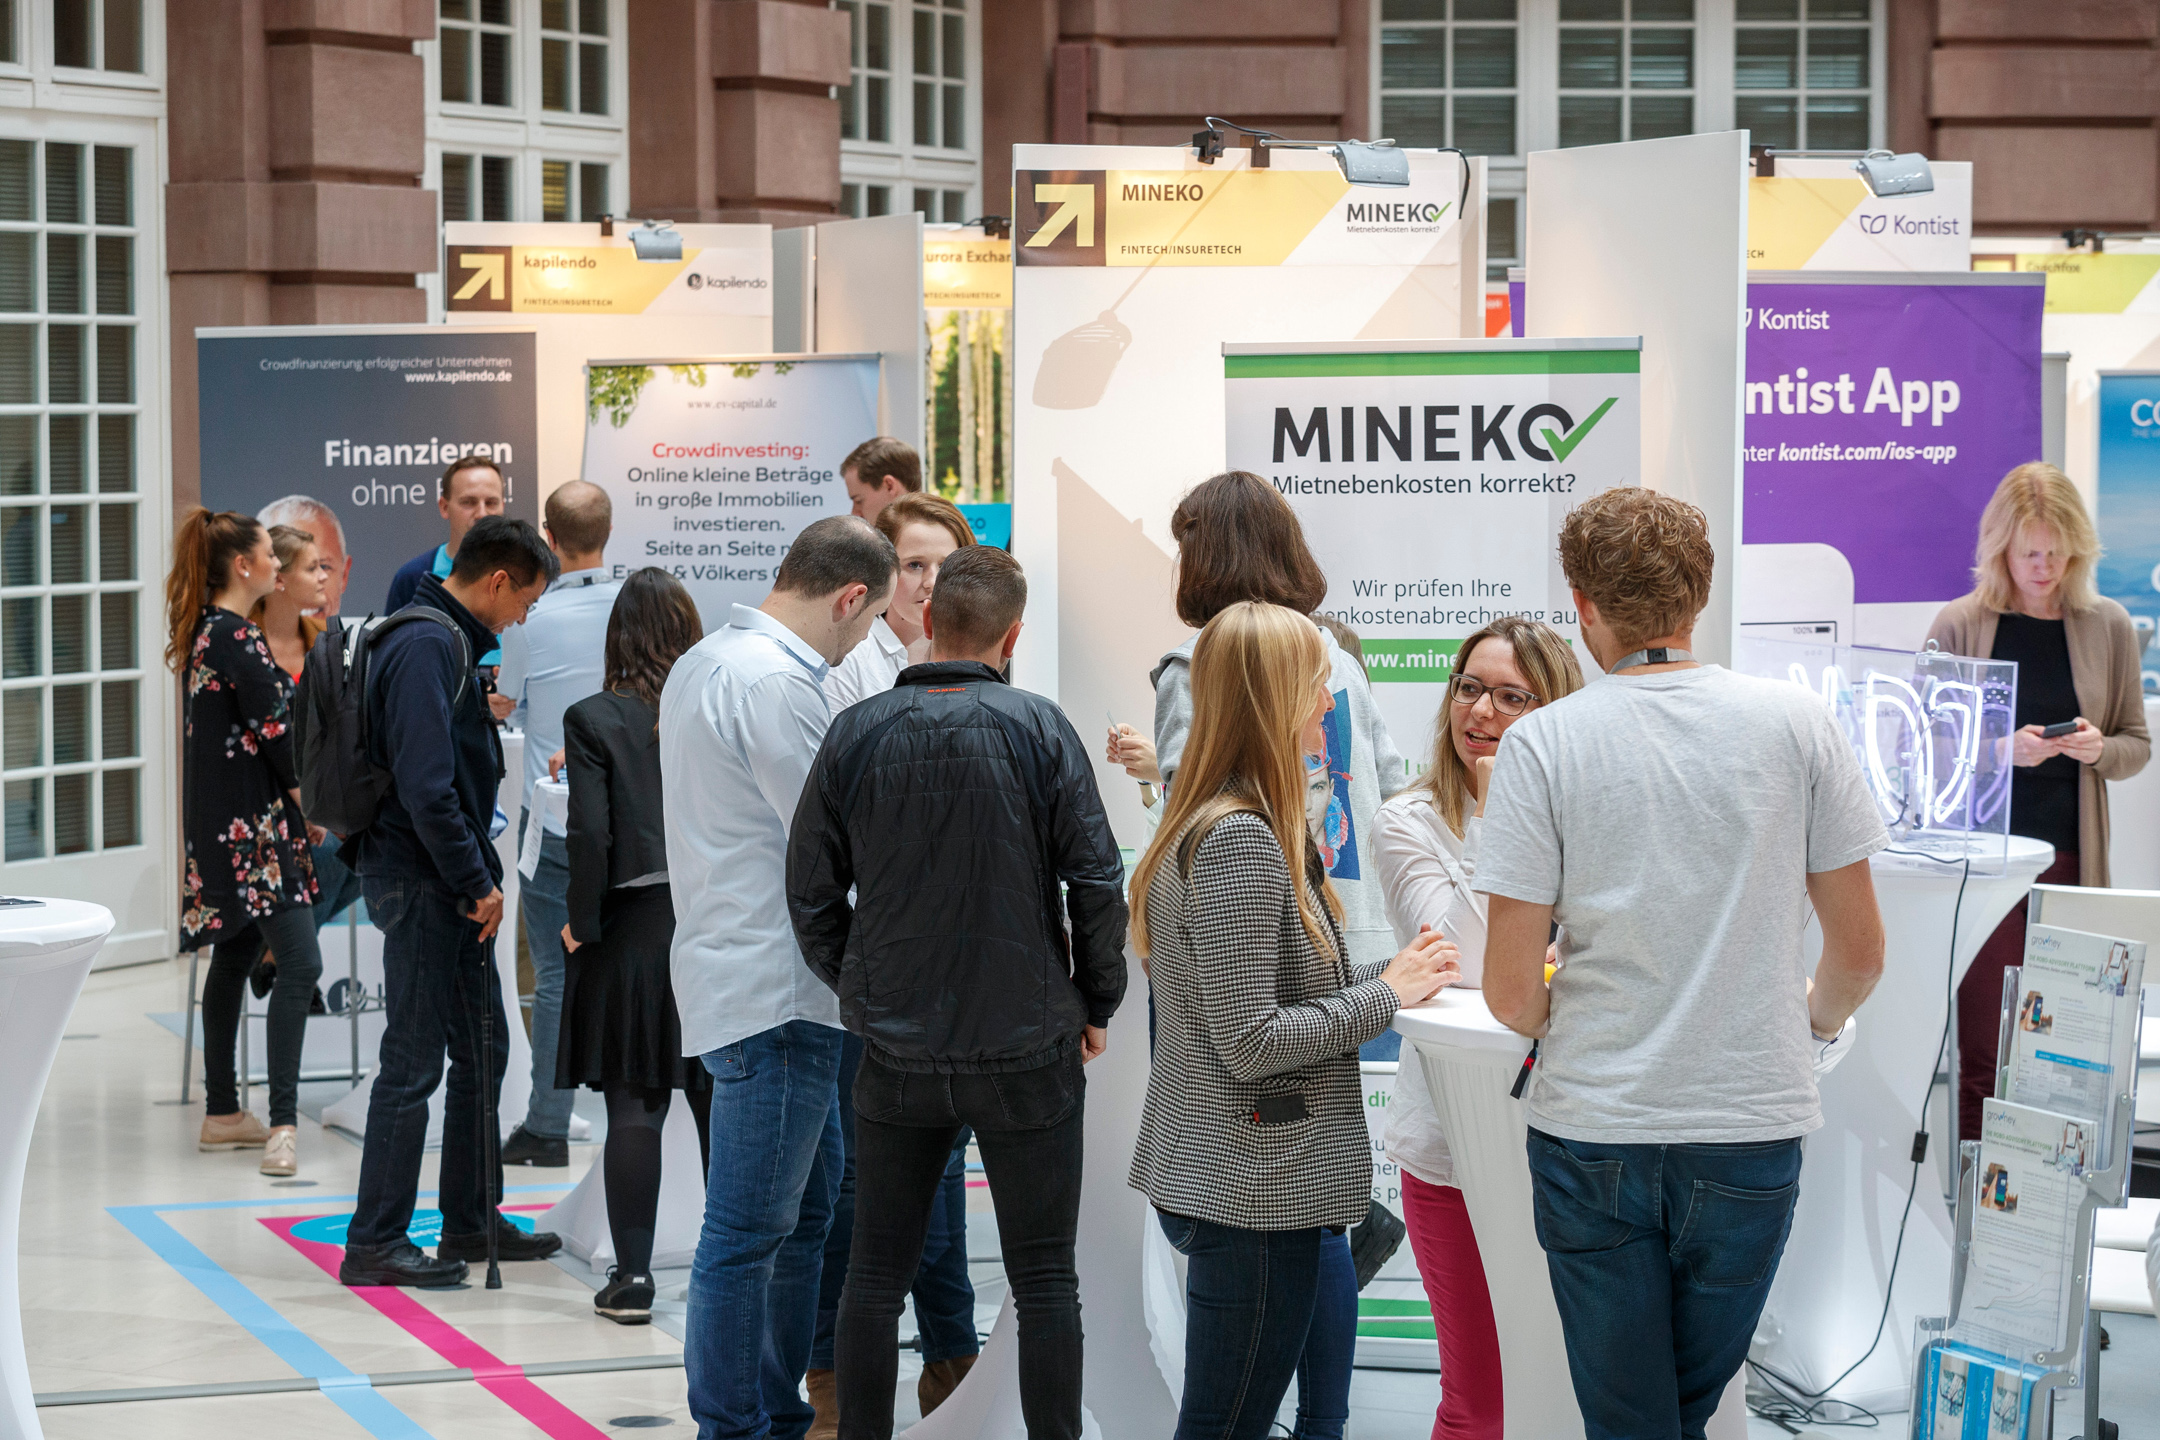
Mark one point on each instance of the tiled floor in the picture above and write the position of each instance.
(122, 1217)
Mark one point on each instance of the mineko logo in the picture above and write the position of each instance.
(1400, 212)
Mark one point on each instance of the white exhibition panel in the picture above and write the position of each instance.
(1828, 1295)
(45, 952)
(2095, 343)
(2134, 822)
(869, 286)
(1471, 1061)
(1118, 410)
(1649, 238)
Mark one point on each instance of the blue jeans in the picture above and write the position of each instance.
(1323, 1370)
(1661, 1257)
(545, 899)
(1250, 1298)
(944, 1294)
(335, 882)
(440, 997)
(769, 1193)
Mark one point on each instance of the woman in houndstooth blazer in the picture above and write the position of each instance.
(1253, 1141)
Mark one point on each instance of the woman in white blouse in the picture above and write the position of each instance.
(924, 530)
(1427, 838)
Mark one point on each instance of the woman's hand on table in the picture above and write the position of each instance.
(556, 762)
(1423, 968)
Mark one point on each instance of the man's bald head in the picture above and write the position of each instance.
(579, 517)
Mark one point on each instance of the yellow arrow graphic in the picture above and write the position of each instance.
(1076, 207)
(487, 270)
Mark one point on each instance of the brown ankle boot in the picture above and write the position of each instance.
(825, 1399)
(939, 1379)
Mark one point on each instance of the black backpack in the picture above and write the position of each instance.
(341, 788)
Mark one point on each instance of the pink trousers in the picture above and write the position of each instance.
(1447, 1259)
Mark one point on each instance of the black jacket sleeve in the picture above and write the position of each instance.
(1085, 855)
(821, 868)
(418, 680)
(590, 828)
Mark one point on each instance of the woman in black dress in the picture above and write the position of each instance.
(620, 1031)
(249, 881)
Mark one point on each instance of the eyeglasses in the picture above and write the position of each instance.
(1468, 690)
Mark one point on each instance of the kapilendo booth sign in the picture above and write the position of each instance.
(1431, 483)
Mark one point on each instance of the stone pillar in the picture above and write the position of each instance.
(732, 115)
(296, 153)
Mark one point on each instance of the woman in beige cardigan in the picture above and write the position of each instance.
(2033, 601)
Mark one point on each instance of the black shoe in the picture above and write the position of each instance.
(625, 1299)
(261, 976)
(525, 1148)
(399, 1263)
(1373, 1243)
(511, 1243)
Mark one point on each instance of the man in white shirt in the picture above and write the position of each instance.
(878, 472)
(1677, 820)
(740, 723)
(549, 663)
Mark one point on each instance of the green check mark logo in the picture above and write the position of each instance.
(1560, 448)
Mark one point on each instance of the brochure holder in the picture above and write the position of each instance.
(1962, 1387)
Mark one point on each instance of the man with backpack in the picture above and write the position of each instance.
(434, 885)
(953, 806)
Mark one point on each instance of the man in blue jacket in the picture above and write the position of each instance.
(434, 885)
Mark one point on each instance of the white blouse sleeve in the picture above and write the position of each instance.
(1425, 885)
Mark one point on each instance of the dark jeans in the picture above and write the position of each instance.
(1030, 1126)
(944, 1295)
(1330, 1354)
(1249, 1301)
(1980, 1000)
(1661, 1257)
(290, 935)
(768, 1202)
(439, 993)
(545, 899)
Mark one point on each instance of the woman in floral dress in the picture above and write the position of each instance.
(249, 881)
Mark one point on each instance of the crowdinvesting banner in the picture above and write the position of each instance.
(2130, 500)
(1431, 483)
(1881, 412)
(714, 466)
(363, 420)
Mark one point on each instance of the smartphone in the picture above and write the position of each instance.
(2057, 731)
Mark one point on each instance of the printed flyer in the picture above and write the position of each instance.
(2017, 1280)
(2075, 1034)
(1970, 1395)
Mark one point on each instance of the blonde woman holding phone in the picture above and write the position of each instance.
(1252, 1145)
(1428, 839)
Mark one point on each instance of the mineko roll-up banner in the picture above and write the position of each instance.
(1431, 482)
(1132, 266)
(715, 465)
(1880, 413)
(362, 420)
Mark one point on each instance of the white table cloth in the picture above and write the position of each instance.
(45, 951)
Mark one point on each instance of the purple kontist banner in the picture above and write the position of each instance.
(1880, 417)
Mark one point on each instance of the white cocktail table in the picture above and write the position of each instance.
(45, 951)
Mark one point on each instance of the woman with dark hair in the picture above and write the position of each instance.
(249, 881)
(620, 1031)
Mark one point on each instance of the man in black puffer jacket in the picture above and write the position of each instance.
(954, 805)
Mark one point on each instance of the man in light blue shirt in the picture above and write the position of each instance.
(549, 663)
(740, 723)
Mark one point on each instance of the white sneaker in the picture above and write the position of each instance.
(280, 1152)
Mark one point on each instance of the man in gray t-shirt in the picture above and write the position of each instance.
(1677, 820)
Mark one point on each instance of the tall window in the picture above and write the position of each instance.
(911, 113)
(477, 49)
(92, 34)
(574, 56)
(71, 673)
(1818, 73)
(1449, 84)
(477, 187)
(1627, 70)
(573, 190)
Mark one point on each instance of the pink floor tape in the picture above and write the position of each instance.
(506, 1382)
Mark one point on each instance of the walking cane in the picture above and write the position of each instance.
(490, 1130)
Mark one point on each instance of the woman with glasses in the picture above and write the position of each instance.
(1428, 849)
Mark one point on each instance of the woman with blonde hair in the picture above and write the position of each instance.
(2033, 601)
(924, 530)
(1428, 839)
(1252, 1144)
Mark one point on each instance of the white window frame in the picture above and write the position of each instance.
(902, 164)
(525, 132)
(140, 883)
(1537, 75)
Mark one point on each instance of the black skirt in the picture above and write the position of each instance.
(619, 1023)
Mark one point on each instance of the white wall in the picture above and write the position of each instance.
(870, 297)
